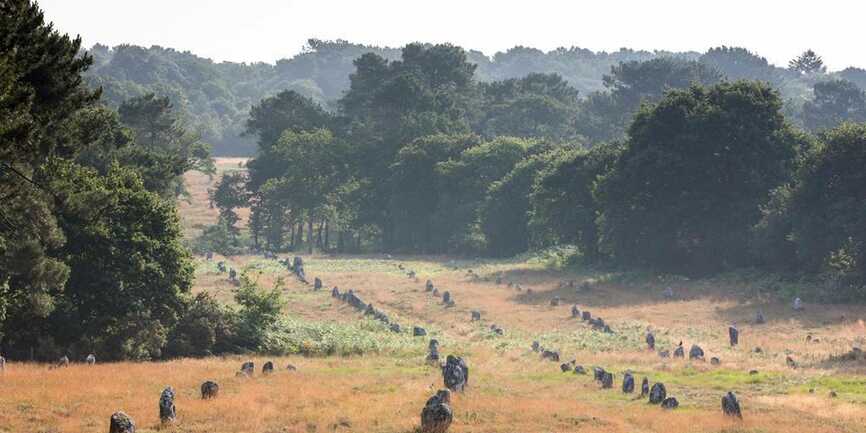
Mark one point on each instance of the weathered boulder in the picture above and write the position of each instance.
(437, 416)
(627, 383)
(436, 292)
(670, 403)
(455, 374)
(167, 411)
(586, 316)
(657, 393)
(121, 423)
(395, 327)
(651, 341)
(578, 369)
(733, 335)
(696, 353)
(679, 352)
(268, 368)
(428, 287)
(550, 355)
(476, 315)
(565, 367)
(715, 361)
(446, 297)
(607, 380)
(598, 373)
(248, 368)
(418, 331)
(209, 390)
(91, 359)
(730, 405)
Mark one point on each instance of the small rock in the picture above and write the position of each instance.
(418, 331)
(670, 403)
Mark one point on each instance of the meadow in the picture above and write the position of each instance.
(356, 375)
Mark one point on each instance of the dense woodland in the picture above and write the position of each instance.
(682, 163)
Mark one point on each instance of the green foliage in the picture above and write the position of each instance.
(259, 313)
(836, 101)
(827, 206)
(807, 63)
(687, 188)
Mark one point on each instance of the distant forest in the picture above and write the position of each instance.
(217, 97)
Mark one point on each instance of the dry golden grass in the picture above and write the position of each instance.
(510, 389)
(195, 211)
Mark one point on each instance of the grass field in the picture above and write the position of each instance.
(511, 388)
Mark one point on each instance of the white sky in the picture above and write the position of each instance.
(267, 30)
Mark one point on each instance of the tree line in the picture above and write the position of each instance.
(677, 166)
(217, 96)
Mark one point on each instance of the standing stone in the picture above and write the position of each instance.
(798, 304)
(715, 361)
(733, 335)
(335, 292)
(436, 292)
(446, 297)
(428, 287)
(536, 346)
(433, 344)
(696, 353)
(644, 387)
(607, 380)
(657, 393)
(669, 293)
(91, 359)
(628, 383)
(651, 341)
(586, 316)
(209, 255)
(268, 368)
(730, 405)
(209, 390)
(2, 363)
(167, 412)
(436, 416)
(476, 315)
(670, 403)
(63, 361)
(759, 318)
(433, 356)
(418, 331)
(575, 313)
(598, 373)
(121, 423)
(455, 374)
(248, 368)
(317, 283)
(679, 352)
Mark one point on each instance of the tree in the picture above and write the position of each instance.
(164, 149)
(689, 184)
(807, 63)
(563, 205)
(738, 63)
(836, 101)
(826, 208)
(288, 110)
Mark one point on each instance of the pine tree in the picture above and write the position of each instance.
(807, 63)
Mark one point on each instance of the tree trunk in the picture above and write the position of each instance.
(310, 235)
(327, 240)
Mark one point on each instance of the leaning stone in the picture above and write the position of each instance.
(418, 331)
(730, 405)
(167, 412)
(268, 368)
(91, 359)
(628, 383)
(437, 415)
(657, 393)
(670, 403)
(121, 423)
(209, 390)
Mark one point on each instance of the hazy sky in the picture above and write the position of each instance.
(266, 30)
